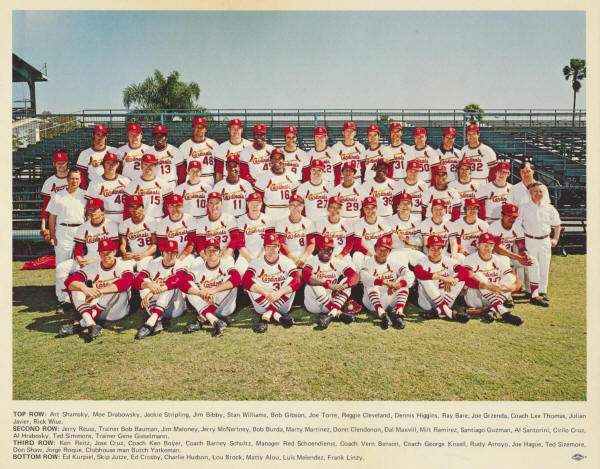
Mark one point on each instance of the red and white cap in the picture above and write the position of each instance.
(259, 129)
(275, 152)
(464, 162)
(168, 245)
(237, 122)
(471, 202)
(290, 130)
(435, 240)
(439, 169)
(413, 164)
(271, 238)
(436, 202)
(199, 121)
(101, 129)
(325, 242)
(405, 196)
(235, 157)
(384, 241)
(214, 195)
(349, 125)
(107, 244)
(296, 198)
(160, 129)
(487, 238)
(373, 128)
(317, 164)
(350, 164)
(471, 127)
(134, 200)
(334, 200)
(419, 131)
(194, 164)
(320, 131)
(94, 203)
(60, 156)
(503, 166)
(257, 196)
(149, 158)
(395, 125)
(214, 242)
(134, 128)
(369, 201)
(174, 199)
(450, 131)
(510, 210)
(110, 157)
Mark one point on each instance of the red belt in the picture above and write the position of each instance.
(536, 237)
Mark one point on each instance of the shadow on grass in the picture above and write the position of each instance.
(34, 299)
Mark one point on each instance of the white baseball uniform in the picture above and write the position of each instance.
(370, 158)
(194, 197)
(112, 192)
(294, 161)
(139, 238)
(169, 161)
(183, 231)
(234, 195)
(495, 270)
(204, 152)
(494, 197)
(315, 198)
(342, 153)
(482, 158)
(450, 159)
(431, 292)
(428, 157)
(464, 191)
(295, 235)
(224, 228)
(277, 189)
(90, 161)
(225, 149)
(399, 156)
(449, 196)
(467, 234)
(321, 300)
(341, 232)
(168, 304)
(152, 192)
(327, 156)
(251, 235)
(352, 198)
(366, 235)
(131, 159)
(443, 230)
(416, 191)
(257, 161)
(384, 193)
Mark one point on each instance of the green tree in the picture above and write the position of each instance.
(576, 71)
(474, 112)
(158, 93)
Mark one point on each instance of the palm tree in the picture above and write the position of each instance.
(475, 113)
(576, 71)
(157, 93)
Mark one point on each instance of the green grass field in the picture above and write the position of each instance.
(544, 359)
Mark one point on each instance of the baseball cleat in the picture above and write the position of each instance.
(261, 326)
(398, 321)
(219, 326)
(512, 319)
(143, 332)
(509, 303)
(95, 331)
(431, 314)
(347, 318)
(539, 301)
(193, 326)
(545, 296)
(158, 327)
(385, 321)
(488, 317)
(69, 329)
(286, 320)
(60, 309)
(460, 317)
(324, 321)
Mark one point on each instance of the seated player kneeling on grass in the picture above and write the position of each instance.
(157, 283)
(99, 291)
(491, 280)
(386, 279)
(271, 282)
(211, 288)
(438, 283)
(328, 284)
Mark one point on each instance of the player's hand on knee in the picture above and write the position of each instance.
(145, 303)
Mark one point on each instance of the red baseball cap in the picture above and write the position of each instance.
(320, 131)
(464, 162)
(275, 152)
(259, 129)
(255, 196)
(382, 161)
(237, 122)
(503, 166)
(471, 202)
(59, 156)
(395, 125)
(413, 164)
(385, 241)
(435, 240)
(296, 198)
(194, 164)
(107, 245)
(449, 131)
(199, 121)
(235, 157)
(168, 245)
(160, 129)
(486, 238)
(94, 202)
(350, 164)
(349, 125)
(511, 210)
(369, 201)
(149, 158)
(271, 238)
(325, 242)
(373, 128)
(405, 196)
(419, 131)
(215, 242)
(134, 128)
(174, 199)
(439, 169)
(290, 130)
(334, 200)
(110, 157)
(101, 128)
(474, 127)
(436, 202)
(134, 200)
(214, 195)
(317, 164)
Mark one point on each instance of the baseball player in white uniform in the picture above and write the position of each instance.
(423, 153)
(177, 226)
(449, 156)
(110, 187)
(464, 185)
(271, 282)
(130, 154)
(375, 153)
(233, 146)
(346, 151)
(295, 158)
(251, 230)
(211, 288)
(481, 157)
(493, 195)
(328, 284)
(315, 192)
(150, 187)
(367, 230)
(89, 161)
(341, 231)
(349, 191)
(296, 233)
(406, 229)
(386, 279)
(100, 291)
(171, 165)
(201, 149)
(438, 224)
(399, 151)
(138, 241)
(233, 189)
(216, 224)
(382, 188)
(465, 233)
(413, 186)
(255, 158)
(194, 190)
(440, 190)
(321, 152)
(55, 183)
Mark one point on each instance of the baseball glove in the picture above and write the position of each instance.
(46, 235)
(478, 311)
(351, 307)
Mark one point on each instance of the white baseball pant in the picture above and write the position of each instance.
(432, 294)
(476, 298)
(112, 306)
(541, 249)
(172, 302)
(224, 301)
(317, 298)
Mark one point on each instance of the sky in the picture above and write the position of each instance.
(307, 60)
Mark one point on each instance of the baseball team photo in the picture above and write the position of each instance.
(299, 206)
